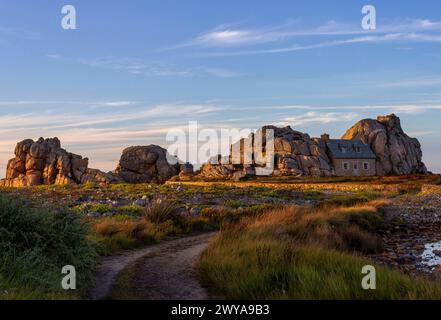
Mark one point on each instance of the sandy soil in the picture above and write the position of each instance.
(160, 272)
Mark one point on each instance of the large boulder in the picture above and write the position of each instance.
(145, 164)
(295, 153)
(396, 152)
(44, 162)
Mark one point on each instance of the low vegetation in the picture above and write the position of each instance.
(160, 220)
(35, 244)
(306, 253)
(274, 241)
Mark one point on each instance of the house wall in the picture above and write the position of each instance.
(352, 164)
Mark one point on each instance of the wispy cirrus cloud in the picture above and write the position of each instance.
(138, 66)
(392, 37)
(111, 103)
(19, 33)
(9, 35)
(319, 117)
(102, 135)
(231, 37)
(228, 36)
(414, 82)
(48, 120)
(395, 108)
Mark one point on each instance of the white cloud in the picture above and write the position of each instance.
(414, 82)
(313, 116)
(231, 37)
(421, 133)
(66, 102)
(137, 66)
(19, 33)
(221, 72)
(391, 37)
(113, 104)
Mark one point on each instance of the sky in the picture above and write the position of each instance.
(133, 70)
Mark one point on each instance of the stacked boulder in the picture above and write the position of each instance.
(145, 164)
(397, 153)
(216, 169)
(295, 153)
(45, 162)
(298, 154)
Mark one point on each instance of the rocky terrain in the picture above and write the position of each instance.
(412, 233)
(298, 154)
(396, 152)
(45, 162)
(295, 154)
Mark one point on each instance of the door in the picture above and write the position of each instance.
(355, 170)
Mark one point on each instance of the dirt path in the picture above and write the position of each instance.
(164, 271)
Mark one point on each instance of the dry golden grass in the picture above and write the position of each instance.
(305, 253)
(119, 235)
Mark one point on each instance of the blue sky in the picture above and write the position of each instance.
(134, 69)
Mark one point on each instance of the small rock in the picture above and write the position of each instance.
(195, 211)
(140, 202)
(94, 215)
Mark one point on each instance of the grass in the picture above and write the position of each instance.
(159, 221)
(35, 244)
(131, 210)
(99, 207)
(161, 211)
(116, 235)
(38, 236)
(312, 253)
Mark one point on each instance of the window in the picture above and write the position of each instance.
(355, 165)
(345, 165)
(358, 149)
(366, 165)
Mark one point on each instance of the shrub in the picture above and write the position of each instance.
(161, 211)
(131, 210)
(36, 243)
(233, 204)
(99, 207)
(90, 185)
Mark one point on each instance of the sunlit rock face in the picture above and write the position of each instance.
(145, 164)
(296, 153)
(44, 162)
(397, 153)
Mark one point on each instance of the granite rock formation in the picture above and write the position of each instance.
(397, 153)
(295, 153)
(45, 162)
(145, 164)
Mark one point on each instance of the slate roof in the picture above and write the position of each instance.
(349, 149)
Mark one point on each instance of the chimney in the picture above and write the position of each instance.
(325, 137)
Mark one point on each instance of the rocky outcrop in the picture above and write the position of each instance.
(396, 152)
(298, 154)
(45, 162)
(295, 153)
(145, 164)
